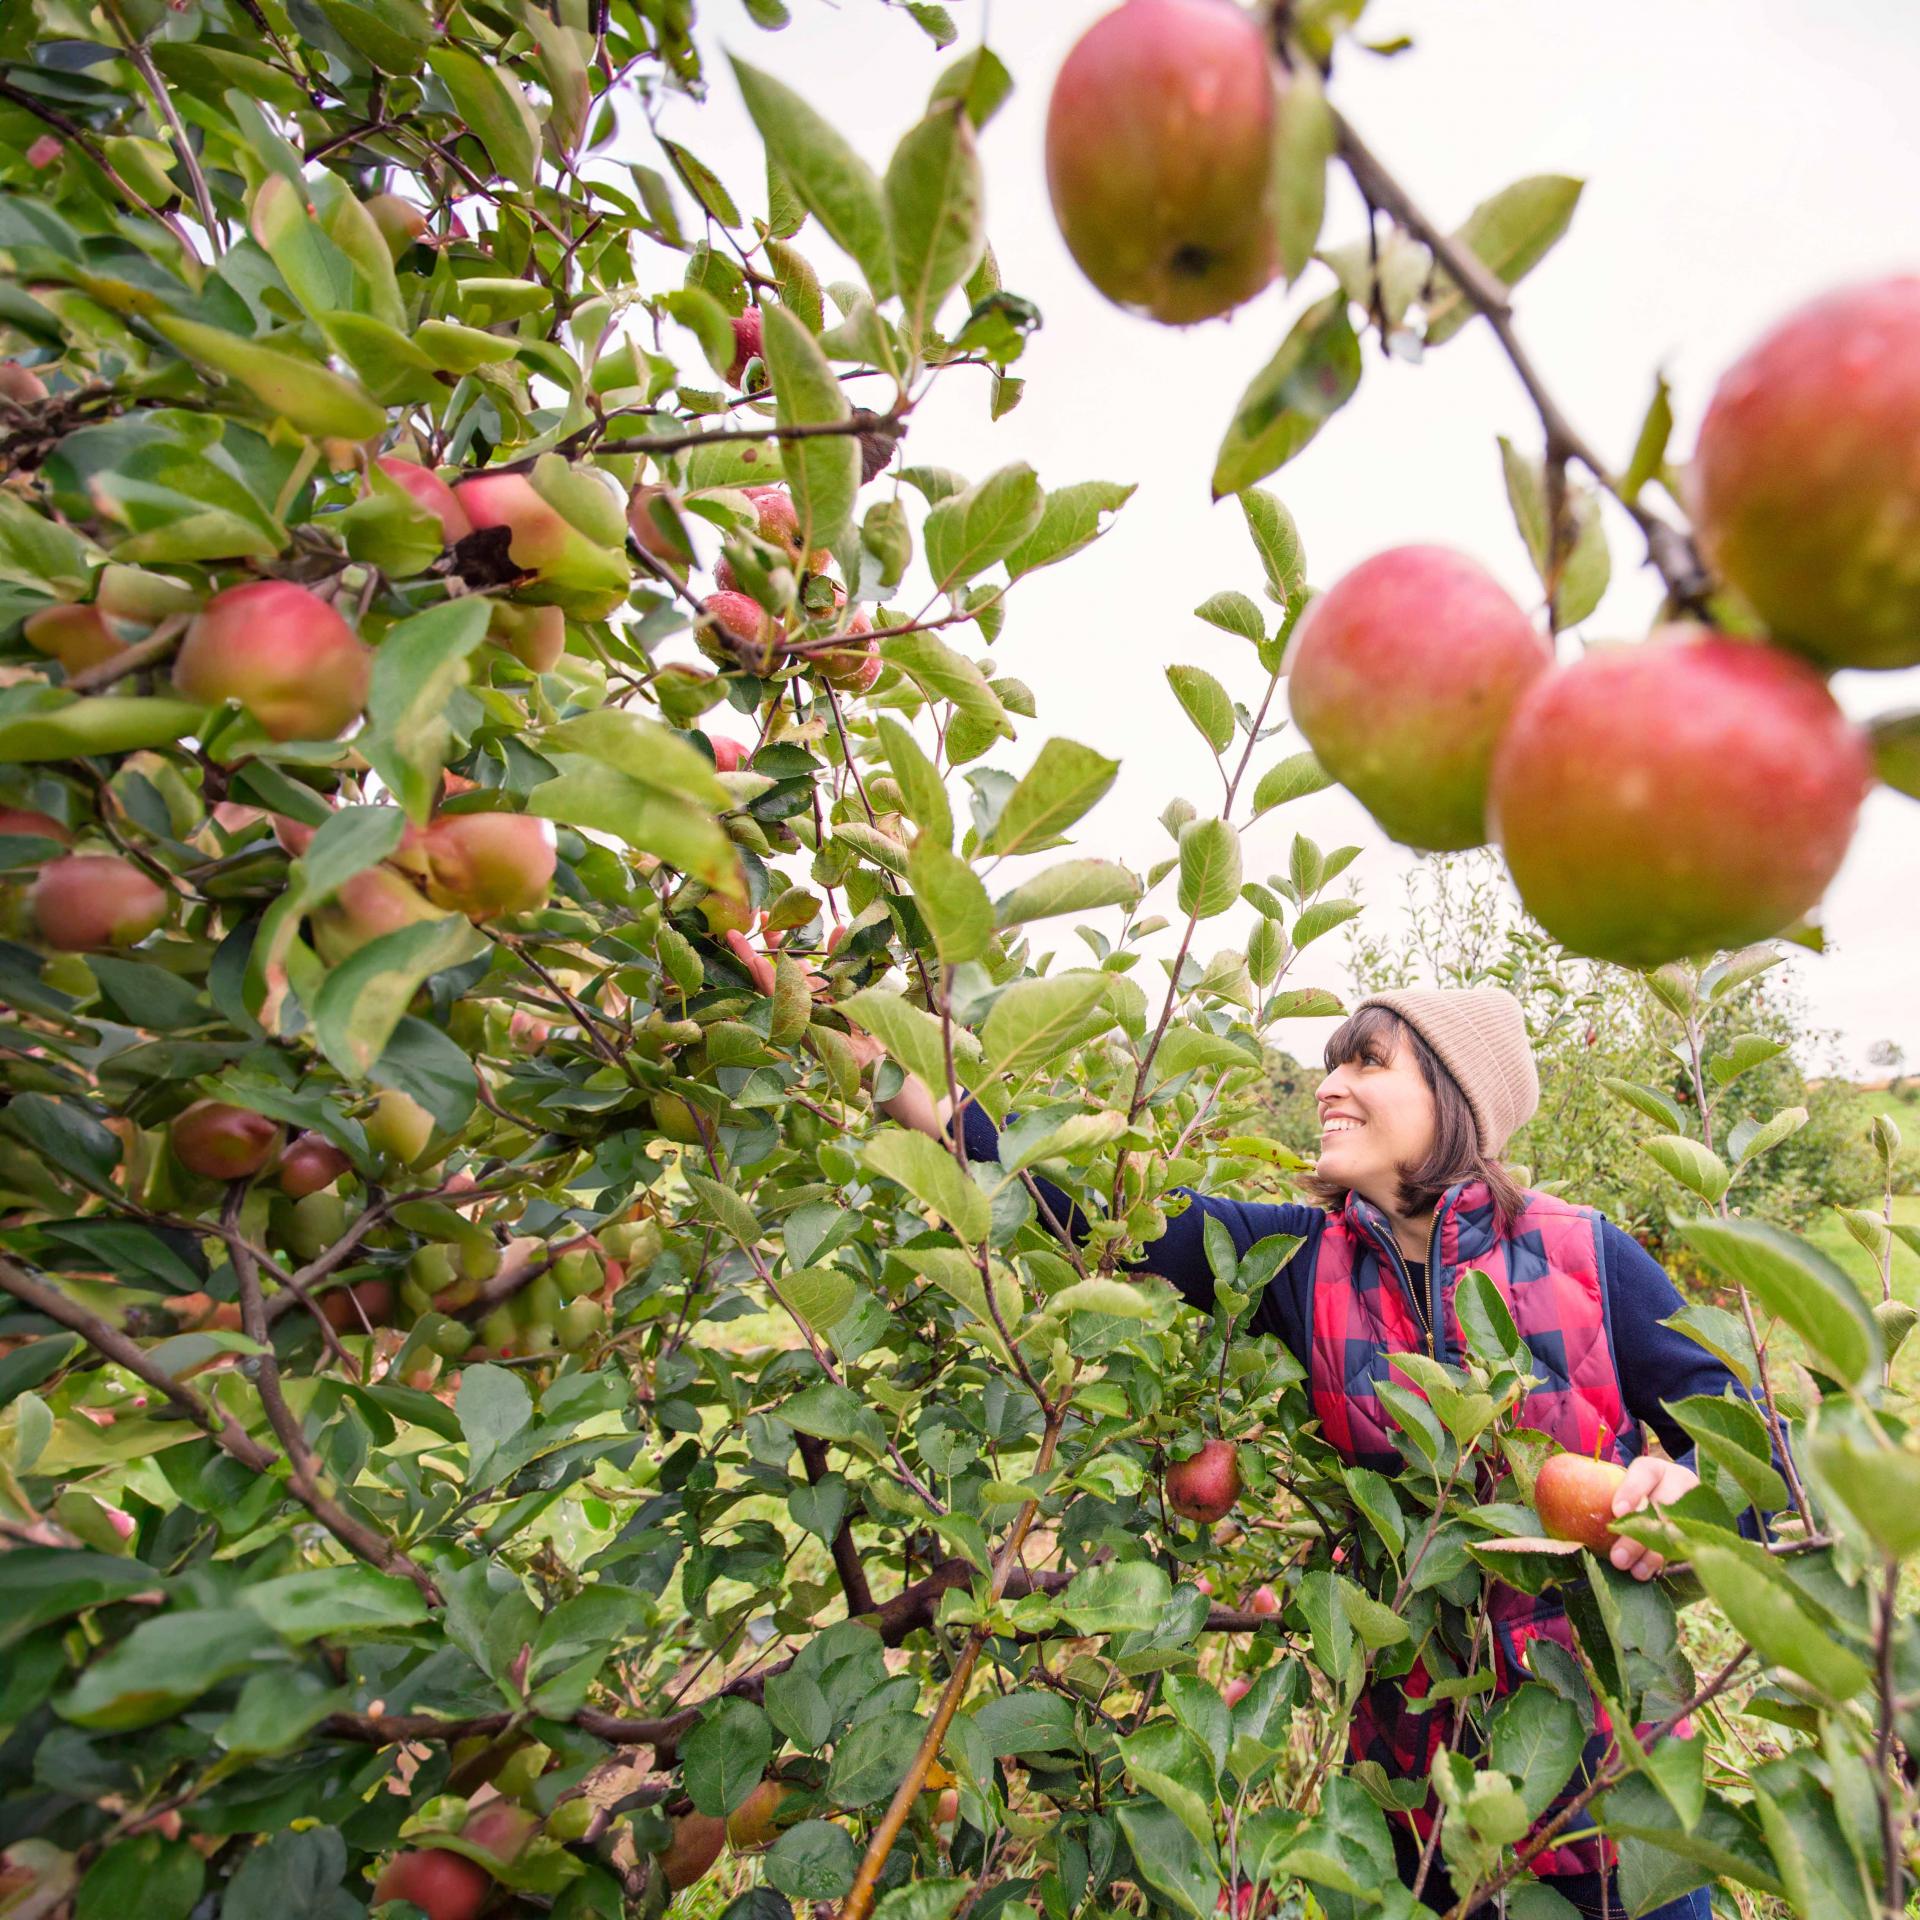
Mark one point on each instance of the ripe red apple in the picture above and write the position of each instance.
(747, 344)
(23, 386)
(367, 1303)
(1204, 1584)
(729, 755)
(1264, 1600)
(283, 654)
(1205, 1485)
(29, 823)
(89, 900)
(1236, 1689)
(500, 1828)
(564, 528)
(444, 1886)
(780, 527)
(1665, 799)
(430, 494)
(1574, 1499)
(1804, 487)
(488, 864)
(1401, 678)
(312, 1163)
(743, 622)
(78, 637)
(855, 667)
(1159, 143)
(220, 1142)
(401, 223)
(697, 1840)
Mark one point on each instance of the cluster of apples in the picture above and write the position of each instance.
(1698, 789)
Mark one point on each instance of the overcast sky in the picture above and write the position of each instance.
(1741, 156)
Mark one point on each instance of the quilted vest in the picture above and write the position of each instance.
(1549, 1269)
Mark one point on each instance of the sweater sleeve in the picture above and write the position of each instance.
(1180, 1254)
(1658, 1364)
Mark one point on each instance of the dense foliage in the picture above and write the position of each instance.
(491, 1414)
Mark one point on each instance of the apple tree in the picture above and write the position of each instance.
(510, 754)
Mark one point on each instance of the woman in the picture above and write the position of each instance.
(1422, 1092)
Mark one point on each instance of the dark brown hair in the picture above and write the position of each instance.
(1455, 1155)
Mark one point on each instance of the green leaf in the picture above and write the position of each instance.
(334, 1600)
(1209, 868)
(1033, 1019)
(1699, 1169)
(1277, 541)
(727, 1207)
(349, 842)
(394, 34)
(1208, 705)
(158, 1879)
(1649, 1101)
(1073, 886)
(588, 793)
(295, 1875)
(932, 1176)
(491, 103)
(726, 1756)
(869, 1764)
(1649, 457)
(166, 1664)
(1880, 1486)
(1169, 1858)
(1315, 373)
(1119, 1596)
(1732, 1434)
(417, 668)
(822, 474)
(1800, 1284)
(909, 1033)
(832, 1412)
(951, 900)
(1305, 138)
(921, 787)
(1292, 779)
(816, 1861)
(71, 727)
(643, 750)
(1895, 740)
(969, 531)
(1537, 1740)
(833, 183)
(494, 1409)
(934, 212)
(1073, 518)
(364, 999)
(1741, 1054)
(926, 658)
(301, 392)
(1065, 781)
(1510, 235)
(1786, 1630)
(1233, 613)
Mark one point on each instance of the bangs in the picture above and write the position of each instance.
(1369, 1035)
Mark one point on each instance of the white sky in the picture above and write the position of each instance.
(1741, 156)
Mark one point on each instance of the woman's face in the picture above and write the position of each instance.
(1376, 1116)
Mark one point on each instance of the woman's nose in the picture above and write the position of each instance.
(1331, 1087)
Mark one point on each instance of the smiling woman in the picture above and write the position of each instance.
(1422, 1092)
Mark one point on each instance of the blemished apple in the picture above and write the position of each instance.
(1688, 793)
(1804, 489)
(1205, 1485)
(221, 1142)
(1401, 678)
(1574, 1499)
(283, 653)
(86, 901)
(747, 344)
(1158, 151)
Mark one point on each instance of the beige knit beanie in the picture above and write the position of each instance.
(1480, 1035)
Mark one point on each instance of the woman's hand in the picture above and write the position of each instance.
(1650, 1482)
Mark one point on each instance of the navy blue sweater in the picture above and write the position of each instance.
(1657, 1364)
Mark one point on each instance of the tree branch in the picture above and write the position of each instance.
(846, 1555)
(1669, 548)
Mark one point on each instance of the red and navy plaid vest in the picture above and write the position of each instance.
(1550, 1271)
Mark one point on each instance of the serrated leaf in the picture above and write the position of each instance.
(822, 473)
(1209, 868)
(1697, 1168)
(930, 1173)
(933, 202)
(1509, 234)
(1033, 1018)
(1314, 374)
(1074, 886)
(1207, 703)
(1064, 782)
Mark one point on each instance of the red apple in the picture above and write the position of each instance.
(1159, 145)
(755, 1823)
(489, 864)
(729, 755)
(283, 654)
(23, 386)
(564, 528)
(697, 1840)
(430, 494)
(779, 526)
(650, 535)
(444, 1886)
(1205, 1485)
(743, 622)
(1264, 1600)
(220, 1142)
(1804, 486)
(28, 823)
(1665, 799)
(1401, 678)
(1236, 1689)
(373, 902)
(89, 900)
(310, 1164)
(367, 1303)
(747, 344)
(1574, 1499)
